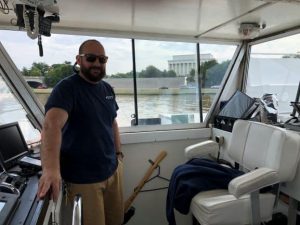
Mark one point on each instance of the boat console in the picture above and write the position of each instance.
(19, 176)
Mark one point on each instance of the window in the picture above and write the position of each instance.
(214, 61)
(165, 94)
(274, 69)
(166, 74)
(119, 76)
(167, 80)
(42, 73)
(12, 111)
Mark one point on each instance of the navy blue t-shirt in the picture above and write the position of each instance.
(87, 150)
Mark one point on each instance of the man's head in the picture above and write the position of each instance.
(92, 61)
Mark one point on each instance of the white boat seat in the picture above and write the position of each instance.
(271, 156)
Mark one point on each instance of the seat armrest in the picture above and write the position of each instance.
(202, 149)
(253, 181)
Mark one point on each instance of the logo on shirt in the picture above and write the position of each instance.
(109, 97)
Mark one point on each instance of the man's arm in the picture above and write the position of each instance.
(55, 119)
(117, 139)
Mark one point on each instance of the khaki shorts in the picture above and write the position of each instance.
(102, 202)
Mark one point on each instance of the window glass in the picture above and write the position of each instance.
(274, 69)
(119, 75)
(164, 94)
(42, 73)
(167, 80)
(12, 111)
(214, 61)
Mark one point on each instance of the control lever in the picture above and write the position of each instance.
(5, 172)
(9, 188)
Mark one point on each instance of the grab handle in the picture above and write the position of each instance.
(77, 211)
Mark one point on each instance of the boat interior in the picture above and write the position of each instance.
(260, 39)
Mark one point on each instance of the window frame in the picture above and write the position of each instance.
(21, 90)
(35, 110)
(237, 57)
(265, 39)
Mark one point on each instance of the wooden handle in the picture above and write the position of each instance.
(146, 177)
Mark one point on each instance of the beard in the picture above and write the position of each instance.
(93, 73)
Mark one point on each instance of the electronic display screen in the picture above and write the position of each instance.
(8, 204)
(12, 144)
(2, 204)
(238, 106)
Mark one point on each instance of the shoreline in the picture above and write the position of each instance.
(147, 91)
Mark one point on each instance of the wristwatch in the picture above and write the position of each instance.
(120, 154)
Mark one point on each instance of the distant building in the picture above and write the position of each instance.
(183, 64)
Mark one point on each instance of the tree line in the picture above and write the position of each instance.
(51, 74)
(211, 72)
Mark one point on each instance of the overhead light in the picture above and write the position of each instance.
(250, 30)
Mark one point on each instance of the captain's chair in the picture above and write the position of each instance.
(270, 156)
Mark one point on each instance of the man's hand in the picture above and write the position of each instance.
(120, 155)
(49, 182)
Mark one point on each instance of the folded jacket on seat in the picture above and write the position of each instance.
(193, 177)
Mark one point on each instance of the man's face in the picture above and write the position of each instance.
(92, 62)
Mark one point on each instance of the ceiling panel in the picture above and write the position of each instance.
(215, 12)
(169, 18)
(174, 16)
(276, 17)
(96, 14)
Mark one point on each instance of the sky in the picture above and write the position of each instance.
(60, 48)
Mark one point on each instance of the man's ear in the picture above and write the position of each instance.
(76, 67)
(78, 60)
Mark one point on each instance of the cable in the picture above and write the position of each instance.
(32, 34)
(40, 45)
(4, 6)
(154, 189)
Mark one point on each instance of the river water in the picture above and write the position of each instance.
(169, 108)
(158, 106)
(154, 106)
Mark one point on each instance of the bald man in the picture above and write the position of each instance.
(81, 142)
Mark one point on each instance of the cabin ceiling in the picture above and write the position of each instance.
(175, 19)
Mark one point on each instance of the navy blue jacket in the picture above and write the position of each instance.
(192, 177)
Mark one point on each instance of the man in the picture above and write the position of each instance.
(81, 142)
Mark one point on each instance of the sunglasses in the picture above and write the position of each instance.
(92, 58)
